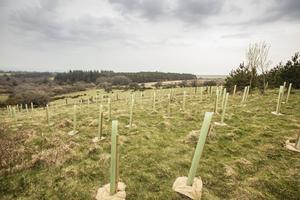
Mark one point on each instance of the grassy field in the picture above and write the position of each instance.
(244, 160)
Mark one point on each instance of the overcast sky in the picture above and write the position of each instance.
(191, 36)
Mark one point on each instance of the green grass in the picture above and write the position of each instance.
(244, 160)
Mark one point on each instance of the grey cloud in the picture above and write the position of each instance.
(237, 35)
(185, 10)
(191, 10)
(287, 10)
(148, 9)
(44, 20)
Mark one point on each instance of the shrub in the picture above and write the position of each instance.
(240, 77)
(37, 97)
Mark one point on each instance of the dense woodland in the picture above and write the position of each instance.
(138, 77)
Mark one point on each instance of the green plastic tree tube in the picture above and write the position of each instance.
(169, 105)
(298, 142)
(244, 95)
(224, 108)
(131, 112)
(279, 100)
(109, 109)
(113, 161)
(199, 147)
(74, 117)
(288, 93)
(154, 100)
(183, 101)
(234, 90)
(217, 100)
(47, 115)
(223, 98)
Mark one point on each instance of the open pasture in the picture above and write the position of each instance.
(244, 160)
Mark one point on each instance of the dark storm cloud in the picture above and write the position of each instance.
(185, 10)
(43, 18)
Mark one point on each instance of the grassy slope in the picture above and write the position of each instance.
(245, 160)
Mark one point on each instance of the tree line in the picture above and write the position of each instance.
(93, 76)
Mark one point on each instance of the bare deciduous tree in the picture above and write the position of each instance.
(257, 58)
(264, 62)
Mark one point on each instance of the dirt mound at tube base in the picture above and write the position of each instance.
(65, 123)
(192, 137)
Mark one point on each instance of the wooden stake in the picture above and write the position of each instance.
(31, 105)
(199, 147)
(26, 107)
(47, 115)
(100, 121)
(114, 159)
(288, 93)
